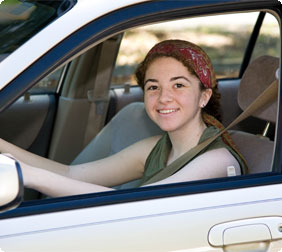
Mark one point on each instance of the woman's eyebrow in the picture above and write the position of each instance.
(179, 77)
(150, 80)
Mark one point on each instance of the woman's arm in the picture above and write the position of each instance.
(55, 185)
(32, 159)
(122, 167)
(55, 179)
(212, 164)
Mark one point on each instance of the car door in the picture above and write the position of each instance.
(28, 123)
(241, 213)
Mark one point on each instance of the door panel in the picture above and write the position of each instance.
(28, 122)
(170, 224)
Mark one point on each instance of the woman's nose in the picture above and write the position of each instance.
(165, 95)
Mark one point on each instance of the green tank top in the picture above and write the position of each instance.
(157, 159)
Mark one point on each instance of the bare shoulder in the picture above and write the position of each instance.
(149, 142)
(218, 155)
(144, 146)
(211, 164)
(139, 151)
(218, 160)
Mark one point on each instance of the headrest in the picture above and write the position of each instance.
(257, 77)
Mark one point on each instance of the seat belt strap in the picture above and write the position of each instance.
(99, 95)
(262, 101)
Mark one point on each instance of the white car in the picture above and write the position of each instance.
(63, 60)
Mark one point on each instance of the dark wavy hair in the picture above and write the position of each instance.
(213, 106)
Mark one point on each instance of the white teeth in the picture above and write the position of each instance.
(167, 111)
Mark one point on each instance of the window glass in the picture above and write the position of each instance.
(223, 37)
(20, 20)
(49, 84)
(268, 42)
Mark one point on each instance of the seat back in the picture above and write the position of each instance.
(128, 126)
(257, 150)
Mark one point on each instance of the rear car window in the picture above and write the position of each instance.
(268, 42)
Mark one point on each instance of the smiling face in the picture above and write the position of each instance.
(173, 98)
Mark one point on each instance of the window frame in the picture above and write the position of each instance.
(43, 206)
(101, 28)
(61, 72)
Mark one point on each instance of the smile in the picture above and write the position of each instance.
(167, 111)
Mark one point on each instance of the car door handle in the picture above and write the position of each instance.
(246, 231)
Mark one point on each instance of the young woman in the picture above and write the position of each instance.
(181, 97)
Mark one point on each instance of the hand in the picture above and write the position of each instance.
(26, 170)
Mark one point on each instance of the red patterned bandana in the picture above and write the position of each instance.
(195, 56)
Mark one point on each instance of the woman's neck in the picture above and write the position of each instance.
(185, 139)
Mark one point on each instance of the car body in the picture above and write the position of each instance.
(78, 46)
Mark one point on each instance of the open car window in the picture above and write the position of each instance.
(268, 42)
(67, 112)
(98, 111)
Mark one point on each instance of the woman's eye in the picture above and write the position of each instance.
(178, 85)
(152, 88)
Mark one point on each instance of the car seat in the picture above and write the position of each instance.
(132, 124)
(257, 149)
(128, 126)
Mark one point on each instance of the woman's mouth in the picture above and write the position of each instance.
(167, 111)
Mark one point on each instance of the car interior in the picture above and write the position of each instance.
(87, 118)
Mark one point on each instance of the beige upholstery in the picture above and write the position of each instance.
(130, 125)
(257, 77)
(257, 150)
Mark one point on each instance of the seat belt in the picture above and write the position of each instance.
(99, 95)
(264, 99)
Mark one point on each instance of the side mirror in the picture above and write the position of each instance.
(11, 183)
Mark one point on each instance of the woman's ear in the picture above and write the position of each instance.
(205, 97)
